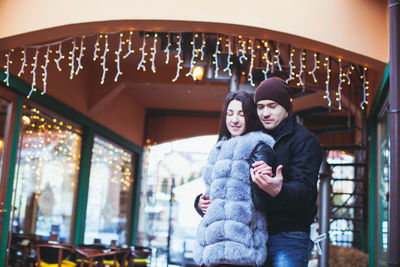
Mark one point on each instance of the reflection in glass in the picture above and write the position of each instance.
(110, 187)
(46, 174)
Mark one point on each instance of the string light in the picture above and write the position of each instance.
(291, 67)
(96, 47)
(228, 60)
(364, 103)
(130, 50)
(302, 67)
(153, 53)
(251, 63)
(167, 49)
(7, 67)
(349, 69)
(339, 90)
(277, 58)
(142, 60)
(46, 62)
(194, 54)
(328, 77)
(267, 61)
(316, 66)
(216, 57)
(242, 51)
(60, 56)
(72, 58)
(203, 45)
(104, 59)
(178, 56)
(34, 65)
(23, 62)
(117, 59)
(79, 59)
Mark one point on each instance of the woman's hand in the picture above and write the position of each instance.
(204, 202)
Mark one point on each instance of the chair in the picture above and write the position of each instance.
(49, 255)
(99, 257)
(139, 256)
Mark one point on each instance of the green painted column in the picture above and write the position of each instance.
(11, 175)
(83, 188)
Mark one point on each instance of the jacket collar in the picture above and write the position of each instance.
(284, 128)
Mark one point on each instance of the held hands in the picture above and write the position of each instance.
(261, 174)
(204, 202)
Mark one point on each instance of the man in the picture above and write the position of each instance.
(290, 196)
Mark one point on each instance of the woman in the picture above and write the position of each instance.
(233, 231)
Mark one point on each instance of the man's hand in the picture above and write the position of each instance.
(204, 202)
(271, 185)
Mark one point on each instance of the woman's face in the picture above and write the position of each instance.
(235, 121)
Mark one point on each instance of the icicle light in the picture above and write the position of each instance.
(23, 65)
(178, 56)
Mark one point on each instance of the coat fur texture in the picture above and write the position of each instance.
(232, 231)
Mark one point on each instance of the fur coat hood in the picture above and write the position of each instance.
(232, 231)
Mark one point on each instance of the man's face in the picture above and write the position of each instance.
(270, 113)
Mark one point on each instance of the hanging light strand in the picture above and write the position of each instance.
(46, 62)
(79, 59)
(316, 66)
(96, 47)
(348, 73)
(216, 57)
(277, 57)
(268, 63)
(72, 58)
(142, 60)
(242, 50)
(104, 57)
(228, 60)
(291, 67)
(178, 56)
(153, 53)
(33, 71)
(251, 63)
(23, 62)
(364, 103)
(194, 54)
(117, 58)
(328, 77)
(167, 49)
(302, 66)
(130, 50)
(339, 89)
(60, 56)
(7, 67)
(203, 44)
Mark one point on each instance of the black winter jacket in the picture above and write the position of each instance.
(300, 153)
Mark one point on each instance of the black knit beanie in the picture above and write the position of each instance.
(275, 89)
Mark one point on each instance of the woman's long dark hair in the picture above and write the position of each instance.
(249, 111)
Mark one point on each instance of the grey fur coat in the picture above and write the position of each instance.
(232, 231)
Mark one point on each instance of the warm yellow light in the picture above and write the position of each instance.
(198, 73)
(26, 120)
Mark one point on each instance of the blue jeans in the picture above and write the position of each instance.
(289, 249)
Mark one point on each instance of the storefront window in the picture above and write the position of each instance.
(46, 174)
(109, 198)
(383, 187)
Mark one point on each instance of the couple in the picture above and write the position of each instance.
(261, 184)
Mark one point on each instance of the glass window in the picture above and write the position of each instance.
(46, 174)
(109, 197)
(383, 187)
